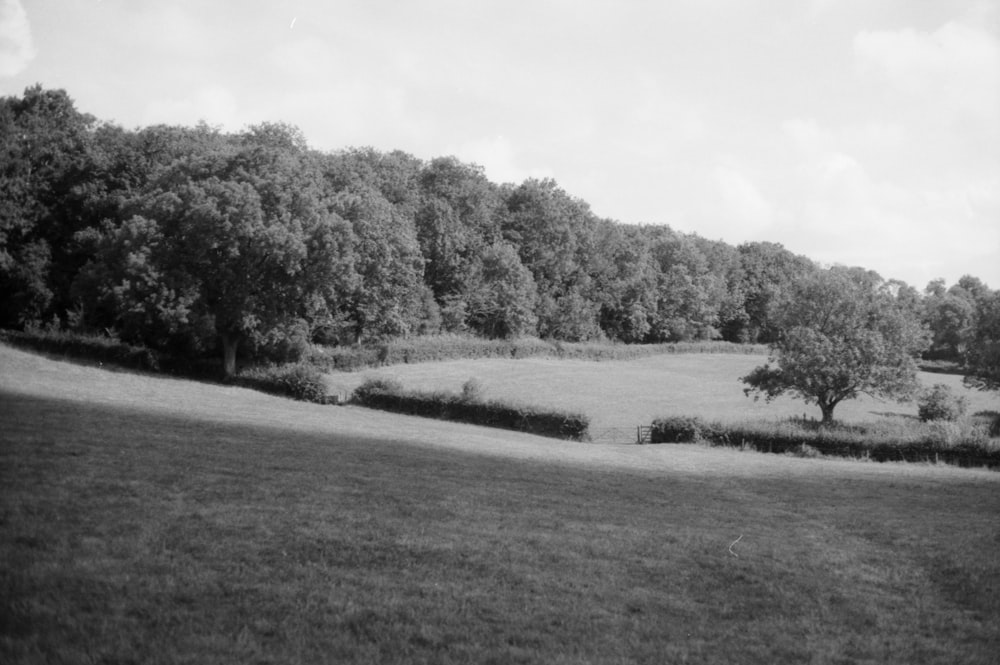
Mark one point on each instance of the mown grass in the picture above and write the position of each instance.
(165, 535)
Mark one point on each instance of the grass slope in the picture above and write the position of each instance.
(150, 520)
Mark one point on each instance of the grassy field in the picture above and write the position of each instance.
(634, 392)
(152, 520)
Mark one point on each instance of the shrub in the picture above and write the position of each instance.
(94, 348)
(388, 395)
(472, 390)
(940, 403)
(377, 386)
(964, 442)
(677, 429)
(300, 381)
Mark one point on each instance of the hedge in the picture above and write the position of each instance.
(948, 443)
(94, 348)
(433, 348)
(300, 381)
(447, 406)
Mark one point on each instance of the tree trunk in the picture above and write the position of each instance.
(827, 410)
(229, 345)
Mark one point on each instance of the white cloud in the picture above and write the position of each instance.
(499, 159)
(213, 104)
(957, 66)
(743, 203)
(16, 46)
(839, 212)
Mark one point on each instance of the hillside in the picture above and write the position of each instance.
(148, 519)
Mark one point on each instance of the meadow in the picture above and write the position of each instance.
(626, 393)
(156, 520)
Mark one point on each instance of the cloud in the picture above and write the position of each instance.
(743, 203)
(16, 46)
(498, 158)
(213, 104)
(839, 211)
(956, 66)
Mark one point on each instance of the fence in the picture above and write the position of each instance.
(621, 435)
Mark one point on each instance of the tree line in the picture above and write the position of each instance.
(196, 241)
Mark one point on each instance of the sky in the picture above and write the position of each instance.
(855, 132)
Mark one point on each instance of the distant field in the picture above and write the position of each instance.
(145, 519)
(634, 392)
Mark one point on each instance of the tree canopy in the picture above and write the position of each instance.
(201, 241)
(841, 333)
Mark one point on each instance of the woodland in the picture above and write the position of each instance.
(200, 242)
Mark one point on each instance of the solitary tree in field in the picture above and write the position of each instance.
(841, 333)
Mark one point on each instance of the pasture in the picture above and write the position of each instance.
(148, 519)
(626, 393)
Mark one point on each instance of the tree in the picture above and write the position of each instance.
(501, 295)
(982, 359)
(553, 235)
(841, 333)
(766, 271)
(624, 281)
(456, 221)
(43, 159)
(233, 243)
(387, 300)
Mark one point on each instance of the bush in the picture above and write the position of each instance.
(678, 429)
(388, 395)
(300, 381)
(940, 403)
(962, 442)
(377, 386)
(472, 390)
(94, 348)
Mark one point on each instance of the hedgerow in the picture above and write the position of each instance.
(390, 396)
(966, 443)
(433, 348)
(94, 348)
(300, 381)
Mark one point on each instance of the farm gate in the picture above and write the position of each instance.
(621, 435)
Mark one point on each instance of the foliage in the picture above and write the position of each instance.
(434, 348)
(983, 355)
(962, 442)
(472, 390)
(841, 334)
(43, 159)
(941, 403)
(390, 396)
(678, 429)
(191, 240)
(502, 295)
(300, 381)
(232, 244)
(93, 348)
